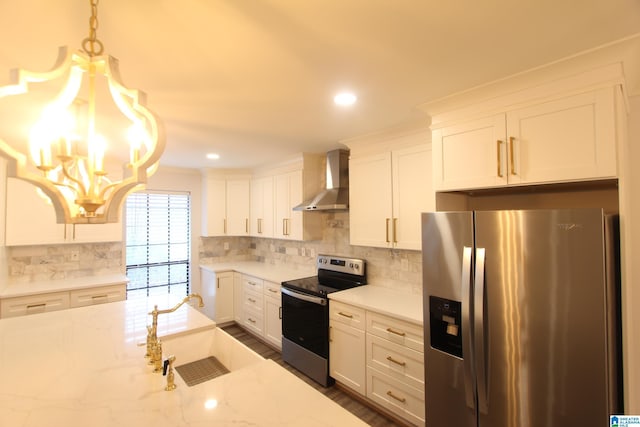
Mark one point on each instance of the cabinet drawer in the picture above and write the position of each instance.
(398, 331)
(347, 314)
(32, 304)
(252, 301)
(399, 398)
(399, 362)
(272, 290)
(252, 283)
(99, 295)
(253, 321)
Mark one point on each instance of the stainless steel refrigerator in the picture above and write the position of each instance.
(521, 319)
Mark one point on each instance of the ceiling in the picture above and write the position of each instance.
(253, 80)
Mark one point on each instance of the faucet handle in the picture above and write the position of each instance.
(168, 371)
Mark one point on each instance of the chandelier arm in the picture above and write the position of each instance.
(107, 188)
(81, 185)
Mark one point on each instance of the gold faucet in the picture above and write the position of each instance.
(152, 331)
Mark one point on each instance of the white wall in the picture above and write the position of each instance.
(630, 224)
(174, 179)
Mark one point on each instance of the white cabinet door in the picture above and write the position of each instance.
(470, 154)
(370, 201)
(237, 207)
(224, 301)
(412, 194)
(262, 207)
(347, 356)
(214, 206)
(568, 139)
(272, 313)
(31, 220)
(237, 297)
(218, 295)
(283, 203)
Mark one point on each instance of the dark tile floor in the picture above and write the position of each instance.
(352, 405)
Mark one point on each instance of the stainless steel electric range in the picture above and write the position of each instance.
(305, 314)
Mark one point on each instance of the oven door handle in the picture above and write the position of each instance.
(304, 297)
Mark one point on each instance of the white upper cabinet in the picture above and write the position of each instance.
(225, 205)
(31, 220)
(389, 189)
(558, 132)
(261, 209)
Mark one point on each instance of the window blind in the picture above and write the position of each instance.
(157, 243)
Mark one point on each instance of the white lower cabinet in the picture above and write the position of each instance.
(380, 357)
(98, 295)
(262, 309)
(347, 345)
(237, 297)
(218, 295)
(54, 301)
(272, 314)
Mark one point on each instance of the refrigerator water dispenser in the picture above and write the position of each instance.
(446, 325)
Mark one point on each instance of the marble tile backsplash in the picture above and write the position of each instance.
(397, 269)
(34, 263)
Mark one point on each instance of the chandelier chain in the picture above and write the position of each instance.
(91, 45)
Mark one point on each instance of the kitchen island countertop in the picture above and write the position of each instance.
(83, 367)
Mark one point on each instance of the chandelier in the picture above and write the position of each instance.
(64, 154)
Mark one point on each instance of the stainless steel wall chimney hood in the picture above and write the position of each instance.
(336, 194)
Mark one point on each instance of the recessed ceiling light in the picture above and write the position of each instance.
(213, 156)
(345, 98)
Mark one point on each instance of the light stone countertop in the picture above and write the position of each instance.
(11, 289)
(383, 300)
(371, 297)
(83, 367)
(270, 272)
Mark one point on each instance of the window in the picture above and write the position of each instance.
(158, 243)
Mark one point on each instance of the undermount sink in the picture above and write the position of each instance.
(202, 370)
(207, 354)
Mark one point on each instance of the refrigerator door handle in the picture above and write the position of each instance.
(467, 345)
(479, 331)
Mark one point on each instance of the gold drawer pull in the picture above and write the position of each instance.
(350, 316)
(402, 334)
(251, 320)
(272, 290)
(399, 399)
(251, 299)
(99, 296)
(32, 306)
(391, 359)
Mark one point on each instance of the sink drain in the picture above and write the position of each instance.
(201, 370)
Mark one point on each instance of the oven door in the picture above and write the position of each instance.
(305, 321)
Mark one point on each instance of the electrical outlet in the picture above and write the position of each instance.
(226, 246)
(75, 255)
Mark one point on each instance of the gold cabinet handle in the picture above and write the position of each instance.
(94, 297)
(32, 306)
(259, 225)
(387, 232)
(251, 320)
(272, 290)
(218, 282)
(498, 144)
(225, 226)
(402, 334)
(246, 225)
(395, 230)
(349, 316)
(399, 399)
(511, 156)
(284, 229)
(330, 334)
(392, 360)
(252, 300)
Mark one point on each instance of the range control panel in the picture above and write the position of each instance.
(340, 264)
